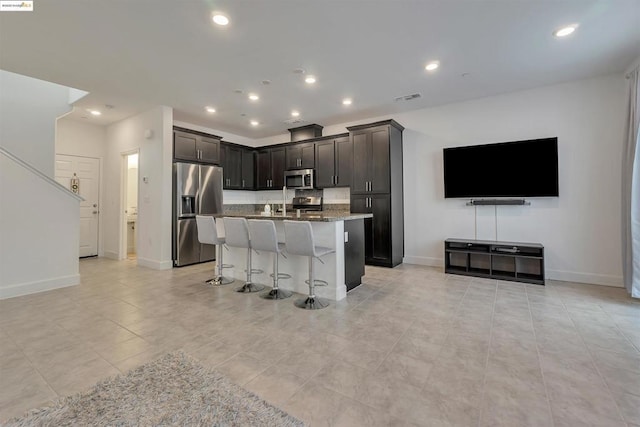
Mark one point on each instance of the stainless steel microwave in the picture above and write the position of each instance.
(301, 179)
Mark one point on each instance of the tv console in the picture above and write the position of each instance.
(519, 262)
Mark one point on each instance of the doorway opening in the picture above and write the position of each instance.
(129, 237)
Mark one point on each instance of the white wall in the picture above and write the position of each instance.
(76, 138)
(155, 163)
(28, 111)
(580, 229)
(39, 229)
(132, 190)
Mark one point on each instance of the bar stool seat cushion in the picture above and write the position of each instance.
(237, 232)
(300, 240)
(207, 231)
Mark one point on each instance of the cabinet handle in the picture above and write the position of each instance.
(243, 183)
(336, 183)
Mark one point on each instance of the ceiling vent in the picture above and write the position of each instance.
(408, 97)
(294, 120)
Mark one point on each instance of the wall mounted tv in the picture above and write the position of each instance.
(508, 169)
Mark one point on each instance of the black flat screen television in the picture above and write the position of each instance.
(508, 169)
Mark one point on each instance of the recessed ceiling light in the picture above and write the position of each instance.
(310, 79)
(253, 97)
(295, 113)
(220, 19)
(254, 123)
(565, 31)
(95, 112)
(210, 109)
(346, 101)
(431, 66)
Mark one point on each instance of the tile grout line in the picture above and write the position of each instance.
(595, 365)
(535, 337)
(486, 364)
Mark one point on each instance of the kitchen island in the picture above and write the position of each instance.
(343, 269)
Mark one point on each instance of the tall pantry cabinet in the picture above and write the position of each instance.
(377, 188)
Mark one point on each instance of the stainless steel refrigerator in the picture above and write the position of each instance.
(197, 190)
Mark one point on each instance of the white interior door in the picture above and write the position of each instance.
(87, 170)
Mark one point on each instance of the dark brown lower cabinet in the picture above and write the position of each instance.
(380, 247)
(354, 253)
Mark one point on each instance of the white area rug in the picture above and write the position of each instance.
(173, 390)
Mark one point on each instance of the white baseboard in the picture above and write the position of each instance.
(155, 264)
(563, 276)
(589, 278)
(20, 289)
(421, 260)
(111, 255)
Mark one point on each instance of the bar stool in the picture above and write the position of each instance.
(299, 241)
(208, 235)
(237, 235)
(264, 238)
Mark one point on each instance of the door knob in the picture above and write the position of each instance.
(95, 205)
(95, 212)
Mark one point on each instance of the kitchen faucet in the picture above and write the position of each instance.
(284, 200)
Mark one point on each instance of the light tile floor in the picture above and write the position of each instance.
(411, 346)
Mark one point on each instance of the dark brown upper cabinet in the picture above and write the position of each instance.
(231, 161)
(196, 147)
(334, 162)
(247, 179)
(270, 167)
(371, 166)
(300, 156)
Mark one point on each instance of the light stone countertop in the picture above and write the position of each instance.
(323, 216)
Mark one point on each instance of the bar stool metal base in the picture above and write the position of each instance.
(250, 287)
(310, 303)
(274, 294)
(220, 281)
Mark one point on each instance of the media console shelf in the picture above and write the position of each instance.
(520, 262)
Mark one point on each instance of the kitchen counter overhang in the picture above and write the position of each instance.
(310, 216)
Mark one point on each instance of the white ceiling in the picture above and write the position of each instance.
(135, 54)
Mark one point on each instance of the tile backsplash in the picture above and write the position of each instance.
(332, 196)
